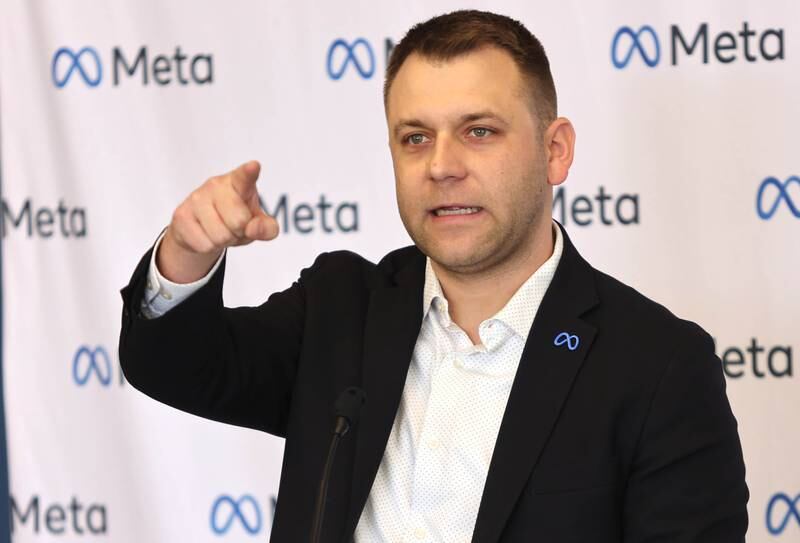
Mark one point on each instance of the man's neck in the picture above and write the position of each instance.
(473, 298)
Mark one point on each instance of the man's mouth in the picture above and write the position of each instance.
(455, 210)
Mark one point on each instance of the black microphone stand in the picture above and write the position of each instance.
(347, 409)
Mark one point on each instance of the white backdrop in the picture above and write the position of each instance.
(664, 194)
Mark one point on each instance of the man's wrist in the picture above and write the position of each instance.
(162, 294)
(180, 265)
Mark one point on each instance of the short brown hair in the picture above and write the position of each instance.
(453, 34)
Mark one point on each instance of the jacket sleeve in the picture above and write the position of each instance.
(236, 366)
(688, 477)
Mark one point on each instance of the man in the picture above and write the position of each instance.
(514, 393)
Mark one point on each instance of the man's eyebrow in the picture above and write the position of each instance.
(481, 115)
(407, 123)
(466, 118)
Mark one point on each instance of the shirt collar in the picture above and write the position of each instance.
(520, 310)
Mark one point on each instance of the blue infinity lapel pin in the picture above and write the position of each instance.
(570, 340)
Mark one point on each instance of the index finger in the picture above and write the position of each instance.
(243, 179)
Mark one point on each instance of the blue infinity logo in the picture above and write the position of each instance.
(783, 195)
(76, 63)
(792, 510)
(635, 37)
(570, 340)
(228, 509)
(365, 70)
(91, 361)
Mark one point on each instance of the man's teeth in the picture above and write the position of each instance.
(443, 212)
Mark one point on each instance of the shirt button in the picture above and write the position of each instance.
(166, 295)
(420, 533)
(149, 285)
(434, 444)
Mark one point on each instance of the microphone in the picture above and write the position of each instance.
(347, 409)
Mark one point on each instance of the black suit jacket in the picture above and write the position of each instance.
(629, 437)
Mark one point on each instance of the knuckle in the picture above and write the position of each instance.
(240, 219)
(237, 226)
(213, 244)
(181, 214)
(205, 245)
(196, 198)
(221, 237)
(230, 223)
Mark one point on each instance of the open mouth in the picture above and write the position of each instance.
(455, 210)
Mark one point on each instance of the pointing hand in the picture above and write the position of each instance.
(223, 212)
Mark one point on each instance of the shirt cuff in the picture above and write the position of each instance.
(161, 294)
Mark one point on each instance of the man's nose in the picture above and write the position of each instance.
(446, 160)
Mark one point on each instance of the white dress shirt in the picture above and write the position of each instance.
(430, 480)
(431, 477)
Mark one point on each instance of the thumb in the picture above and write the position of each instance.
(262, 227)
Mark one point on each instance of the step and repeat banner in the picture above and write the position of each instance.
(686, 185)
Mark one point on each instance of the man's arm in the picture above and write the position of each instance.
(688, 478)
(232, 365)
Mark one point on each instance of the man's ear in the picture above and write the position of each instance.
(559, 141)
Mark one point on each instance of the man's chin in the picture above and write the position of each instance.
(458, 261)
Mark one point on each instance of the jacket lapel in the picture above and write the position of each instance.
(392, 325)
(542, 383)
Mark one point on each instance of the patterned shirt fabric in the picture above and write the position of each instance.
(429, 484)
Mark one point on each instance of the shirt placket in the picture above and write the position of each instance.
(430, 492)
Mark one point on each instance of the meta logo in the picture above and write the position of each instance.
(782, 509)
(61, 221)
(365, 66)
(772, 192)
(636, 41)
(308, 218)
(85, 61)
(564, 338)
(93, 364)
(727, 46)
(244, 512)
(757, 360)
(600, 208)
(357, 56)
(86, 65)
(58, 519)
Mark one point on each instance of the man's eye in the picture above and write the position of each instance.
(415, 139)
(480, 132)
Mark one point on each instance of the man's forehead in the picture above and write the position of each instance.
(482, 80)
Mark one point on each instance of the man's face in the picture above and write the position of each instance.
(469, 160)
